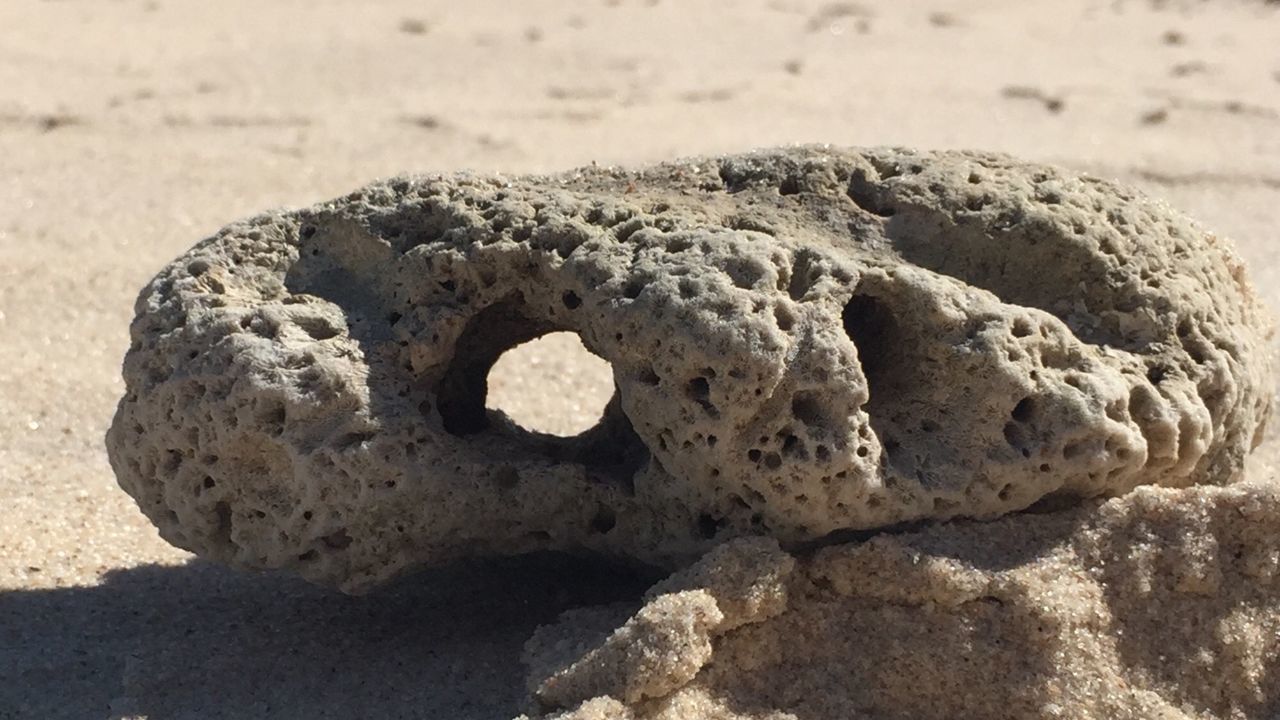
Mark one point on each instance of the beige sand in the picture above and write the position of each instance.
(131, 129)
(1159, 604)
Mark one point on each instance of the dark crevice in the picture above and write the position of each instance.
(804, 274)
(866, 193)
(1056, 501)
(318, 328)
(603, 521)
(870, 324)
(612, 445)
(339, 540)
(844, 537)
(699, 391)
(1061, 501)
(222, 512)
(868, 319)
(461, 394)
(809, 409)
(1024, 410)
(709, 525)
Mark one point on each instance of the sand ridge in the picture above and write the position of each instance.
(1156, 604)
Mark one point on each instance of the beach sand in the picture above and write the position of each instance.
(131, 129)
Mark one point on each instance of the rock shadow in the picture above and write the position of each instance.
(202, 641)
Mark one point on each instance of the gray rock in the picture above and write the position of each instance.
(804, 341)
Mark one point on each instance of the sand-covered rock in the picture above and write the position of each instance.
(804, 341)
(1161, 604)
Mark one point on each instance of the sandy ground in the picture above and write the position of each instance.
(129, 129)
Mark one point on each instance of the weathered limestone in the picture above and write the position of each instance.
(804, 341)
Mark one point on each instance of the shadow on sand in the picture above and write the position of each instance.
(202, 641)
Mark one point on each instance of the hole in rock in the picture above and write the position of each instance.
(603, 521)
(317, 328)
(338, 540)
(1156, 375)
(551, 385)
(870, 324)
(866, 193)
(1024, 410)
(699, 390)
(709, 526)
(537, 395)
(885, 355)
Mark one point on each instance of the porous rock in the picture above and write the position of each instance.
(803, 341)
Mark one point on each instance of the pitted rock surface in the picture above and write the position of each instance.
(803, 341)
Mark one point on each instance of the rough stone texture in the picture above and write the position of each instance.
(1160, 604)
(803, 341)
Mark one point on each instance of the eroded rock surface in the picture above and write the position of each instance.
(1160, 604)
(803, 341)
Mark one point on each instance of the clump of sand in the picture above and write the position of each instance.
(1158, 604)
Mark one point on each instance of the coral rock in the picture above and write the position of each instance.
(803, 341)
